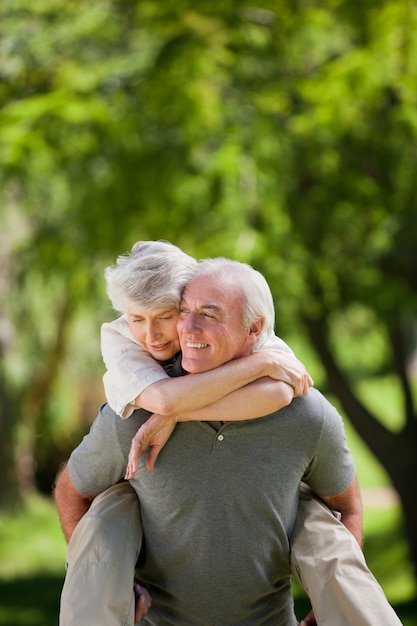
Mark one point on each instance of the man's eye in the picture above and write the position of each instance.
(211, 317)
(183, 310)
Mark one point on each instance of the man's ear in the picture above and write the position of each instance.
(256, 329)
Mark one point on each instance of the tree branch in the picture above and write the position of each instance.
(374, 433)
(396, 336)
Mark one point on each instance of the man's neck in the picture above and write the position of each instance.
(176, 368)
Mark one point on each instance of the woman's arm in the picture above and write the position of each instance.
(195, 391)
(257, 399)
(134, 379)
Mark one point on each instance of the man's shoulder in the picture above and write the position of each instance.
(107, 418)
(313, 399)
(314, 404)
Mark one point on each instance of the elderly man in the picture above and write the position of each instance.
(220, 505)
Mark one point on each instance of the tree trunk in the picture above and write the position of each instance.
(395, 451)
(9, 492)
(37, 399)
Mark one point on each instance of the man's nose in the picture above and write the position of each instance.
(191, 323)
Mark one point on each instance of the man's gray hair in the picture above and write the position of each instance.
(257, 301)
(152, 276)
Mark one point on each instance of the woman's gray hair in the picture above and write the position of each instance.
(152, 276)
(257, 301)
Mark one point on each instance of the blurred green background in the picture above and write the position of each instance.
(280, 133)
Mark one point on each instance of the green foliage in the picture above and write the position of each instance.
(32, 566)
(386, 549)
(31, 540)
(280, 133)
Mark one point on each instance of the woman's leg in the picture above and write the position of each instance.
(101, 559)
(329, 564)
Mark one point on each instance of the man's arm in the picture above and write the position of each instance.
(349, 504)
(70, 503)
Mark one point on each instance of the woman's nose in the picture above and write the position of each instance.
(152, 331)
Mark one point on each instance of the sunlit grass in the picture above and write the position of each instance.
(386, 551)
(31, 540)
(32, 565)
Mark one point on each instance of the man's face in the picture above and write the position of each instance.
(155, 331)
(210, 325)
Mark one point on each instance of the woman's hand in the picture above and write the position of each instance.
(155, 432)
(287, 368)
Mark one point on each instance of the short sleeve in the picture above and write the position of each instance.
(90, 469)
(332, 468)
(130, 369)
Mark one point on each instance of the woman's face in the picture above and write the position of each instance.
(155, 331)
